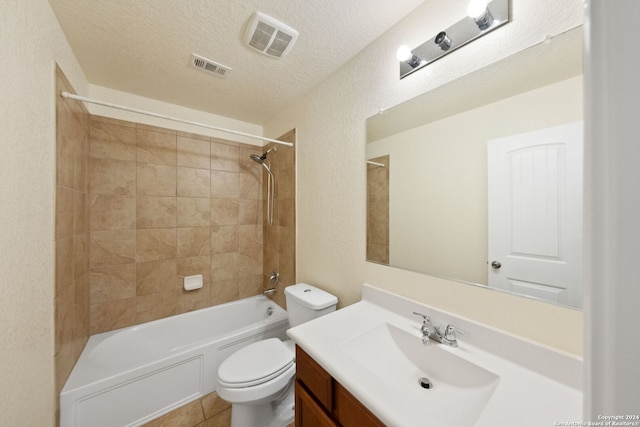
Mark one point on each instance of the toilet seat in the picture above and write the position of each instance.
(255, 364)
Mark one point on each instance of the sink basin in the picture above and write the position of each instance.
(397, 358)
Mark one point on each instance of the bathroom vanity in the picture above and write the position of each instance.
(368, 365)
(322, 402)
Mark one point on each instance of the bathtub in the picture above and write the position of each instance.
(132, 375)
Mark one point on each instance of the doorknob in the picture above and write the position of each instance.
(496, 264)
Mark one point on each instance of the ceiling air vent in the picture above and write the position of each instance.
(208, 65)
(269, 36)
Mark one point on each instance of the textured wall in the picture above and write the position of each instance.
(31, 41)
(331, 196)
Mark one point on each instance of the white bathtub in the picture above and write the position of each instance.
(132, 375)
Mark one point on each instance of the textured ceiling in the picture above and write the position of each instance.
(144, 46)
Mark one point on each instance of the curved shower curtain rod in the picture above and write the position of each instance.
(68, 95)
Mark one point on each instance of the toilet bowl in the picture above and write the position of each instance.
(258, 379)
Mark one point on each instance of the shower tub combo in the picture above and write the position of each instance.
(132, 375)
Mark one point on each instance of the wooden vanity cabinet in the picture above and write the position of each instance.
(322, 402)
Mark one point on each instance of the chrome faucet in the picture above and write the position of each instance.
(448, 337)
(425, 328)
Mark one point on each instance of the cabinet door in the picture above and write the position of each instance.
(350, 412)
(308, 412)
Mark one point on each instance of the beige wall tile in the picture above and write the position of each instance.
(224, 157)
(112, 212)
(64, 264)
(112, 315)
(193, 241)
(156, 180)
(112, 247)
(286, 212)
(194, 153)
(80, 213)
(249, 186)
(250, 285)
(194, 265)
(64, 212)
(224, 290)
(81, 169)
(224, 266)
(224, 238)
(112, 141)
(286, 183)
(225, 185)
(155, 244)
(225, 211)
(71, 302)
(193, 182)
(109, 176)
(155, 147)
(287, 241)
(250, 212)
(112, 282)
(156, 212)
(193, 300)
(64, 160)
(156, 276)
(80, 255)
(193, 212)
(155, 306)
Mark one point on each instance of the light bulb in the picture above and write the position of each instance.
(477, 8)
(404, 53)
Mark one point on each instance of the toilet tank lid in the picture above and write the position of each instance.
(310, 296)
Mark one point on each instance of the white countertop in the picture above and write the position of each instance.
(537, 386)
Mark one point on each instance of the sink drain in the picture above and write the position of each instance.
(425, 383)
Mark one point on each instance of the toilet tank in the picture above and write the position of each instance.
(306, 302)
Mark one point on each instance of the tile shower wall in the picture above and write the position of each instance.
(71, 232)
(280, 238)
(378, 210)
(165, 205)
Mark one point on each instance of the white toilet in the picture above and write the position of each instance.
(258, 380)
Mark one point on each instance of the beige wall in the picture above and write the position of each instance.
(331, 196)
(31, 41)
(439, 181)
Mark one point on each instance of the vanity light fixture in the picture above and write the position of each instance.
(478, 11)
(443, 41)
(483, 16)
(405, 54)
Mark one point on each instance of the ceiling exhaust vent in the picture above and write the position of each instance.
(269, 36)
(208, 65)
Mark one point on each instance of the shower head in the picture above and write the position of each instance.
(261, 159)
(256, 158)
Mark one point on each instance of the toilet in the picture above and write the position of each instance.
(258, 379)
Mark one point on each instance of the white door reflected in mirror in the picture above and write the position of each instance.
(535, 213)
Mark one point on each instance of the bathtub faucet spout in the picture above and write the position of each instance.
(268, 292)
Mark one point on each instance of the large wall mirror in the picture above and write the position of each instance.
(480, 180)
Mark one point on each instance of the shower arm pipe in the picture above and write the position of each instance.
(68, 95)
